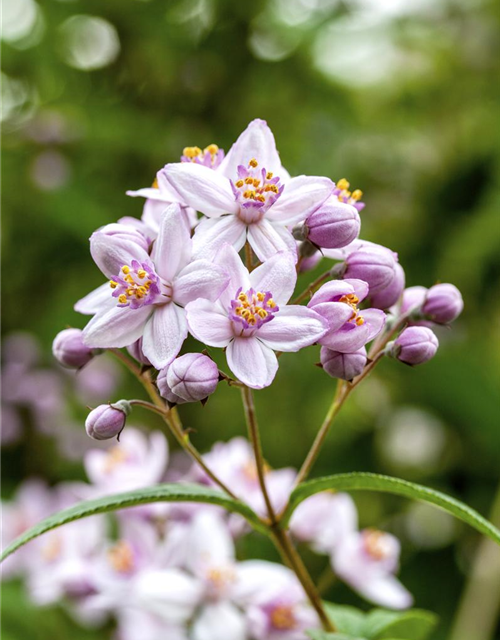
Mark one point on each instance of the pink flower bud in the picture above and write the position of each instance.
(415, 345)
(107, 420)
(69, 350)
(390, 294)
(135, 350)
(190, 378)
(443, 303)
(413, 298)
(375, 265)
(345, 366)
(333, 225)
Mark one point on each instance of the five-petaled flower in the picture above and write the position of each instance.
(147, 293)
(250, 196)
(251, 317)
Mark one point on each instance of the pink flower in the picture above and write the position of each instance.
(367, 561)
(146, 294)
(250, 196)
(251, 317)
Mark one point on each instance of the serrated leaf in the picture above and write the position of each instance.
(387, 484)
(416, 624)
(346, 619)
(158, 493)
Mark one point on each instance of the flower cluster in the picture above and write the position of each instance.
(171, 570)
(177, 271)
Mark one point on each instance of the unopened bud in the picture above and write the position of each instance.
(135, 350)
(345, 366)
(390, 294)
(415, 345)
(70, 351)
(443, 303)
(107, 420)
(189, 378)
(373, 264)
(333, 226)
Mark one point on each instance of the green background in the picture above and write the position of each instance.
(401, 98)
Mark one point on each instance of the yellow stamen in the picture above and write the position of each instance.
(155, 184)
(269, 175)
(126, 269)
(360, 321)
(239, 183)
(282, 617)
(191, 152)
(113, 284)
(212, 149)
(253, 163)
(122, 298)
(357, 194)
(342, 184)
(141, 273)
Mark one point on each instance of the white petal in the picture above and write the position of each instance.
(220, 621)
(267, 238)
(172, 249)
(293, 328)
(208, 323)
(229, 260)
(212, 233)
(257, 141)
(210, 544)
(387, 591)
(200, 279)
(117, 327)
(164, 334)
(169, 593)
(301, 196)
(276, 275)
(252, 362)
(97, 300)
(111, 252)
(202, 188)
(257, 578)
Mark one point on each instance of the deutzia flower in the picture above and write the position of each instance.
(250, 196)
(251, 317)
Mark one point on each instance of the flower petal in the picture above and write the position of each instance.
(347, 339)
(229, 260)
(202, 188)
(169, 593)
(220, 621)
(293, 328)
(336, 314)
(266, 239)
(212, 233)
(385, 590)
(252, 362)
(209, 542)
(111, 252)
(164, 334)
(300, 197)
(335, 288)
(172, 249)
(97, 300)
(116, 327)
(276, 275)
(208, 323)
(375, 319)
(200, 279)
(257, 141)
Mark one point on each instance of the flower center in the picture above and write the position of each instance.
(121, 557)
(256, 190)
(344, 195)
(210, 156)
(376, 544)
(282, 617)
(114, 458)
(136, 285)
(52, 549)
(253, 308)
(352, 300)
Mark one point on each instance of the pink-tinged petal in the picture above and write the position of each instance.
(117, 327)
(252, 362)
(210, 544)
(336, 314)
(375, 319)
(348, 339)
(266, 239)
(385, 590)
(172, 248)
(202, 188)
(212, 233)
(257, 141)
(293, 328)
(97, 300)
(169, 593)
(220, 621)
(239, 277)
(300, 197)
(276, 275)
(200, 279)
(111, 252)
(256, 578)
(208, 323)
(153, 194)
(164, 334)
(335, 288)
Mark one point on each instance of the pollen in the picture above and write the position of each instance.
(239, 183)
(121, 557)
(141, 273)
(122, 298)
(357, 194)
(342, 184)
(352, 301)
(269, 175)
(344, 195)
(113, 284)
(191, 152)
(212, 149)
(133, 284)
(282, 618)
(253, 308)
(155, 184)
(253, 163)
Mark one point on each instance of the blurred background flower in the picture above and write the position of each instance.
(397, 96)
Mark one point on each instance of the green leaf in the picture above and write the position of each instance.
(316, 634)
(346, 619)
(416, 624)
(376, 482)
(158, 493)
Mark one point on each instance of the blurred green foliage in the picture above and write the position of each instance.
(399, 97)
